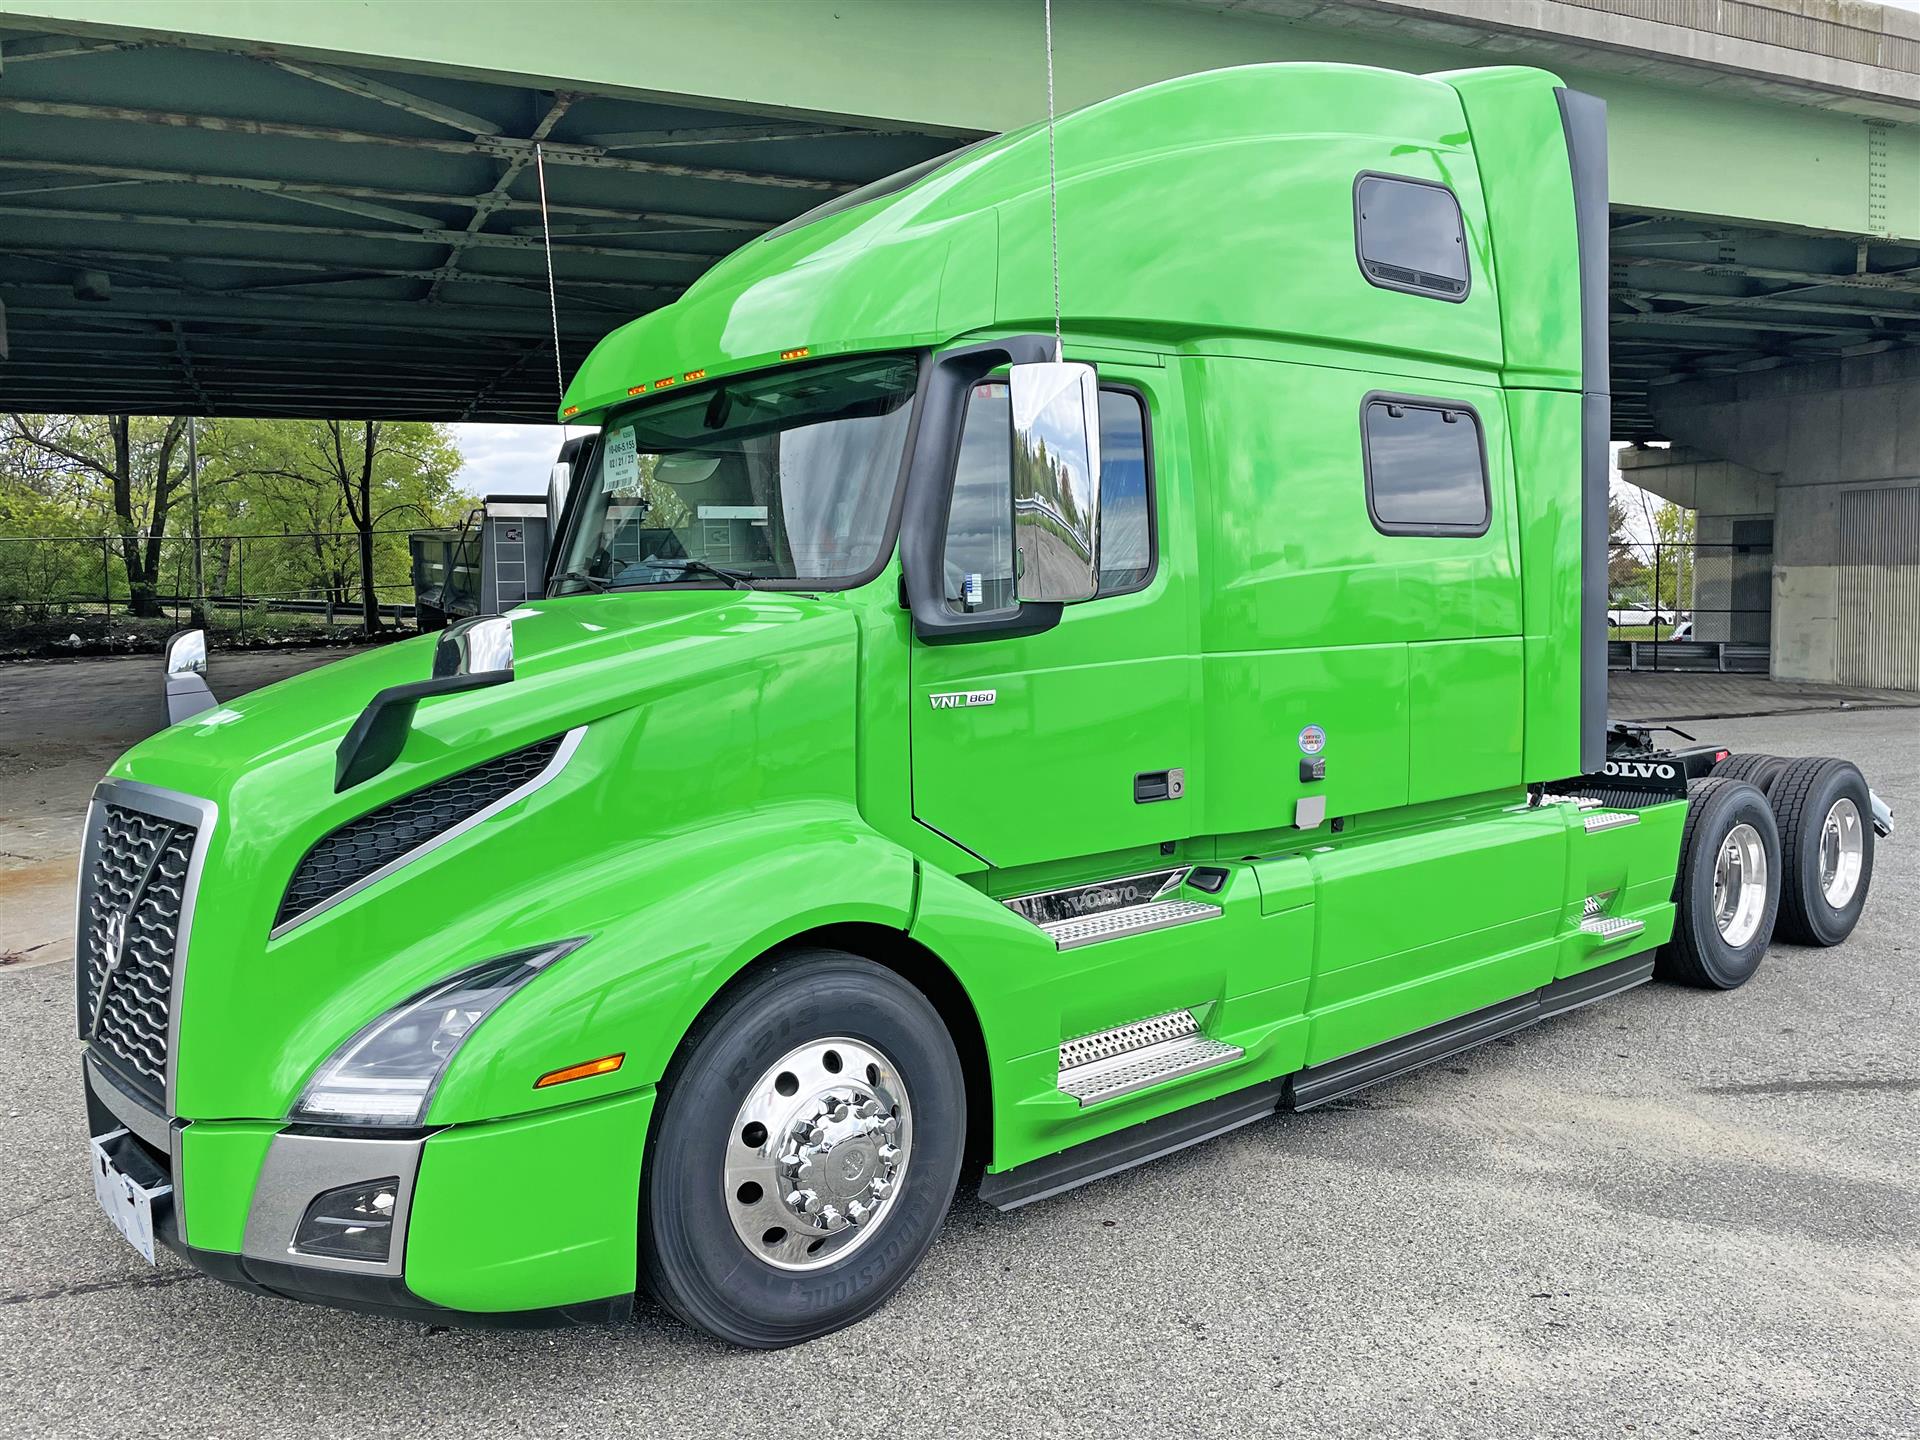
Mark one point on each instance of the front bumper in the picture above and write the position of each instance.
(521, 1223)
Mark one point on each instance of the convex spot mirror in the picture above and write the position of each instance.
(187, 691)
(1056, 481)
(478, 645)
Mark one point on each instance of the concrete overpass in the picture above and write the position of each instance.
(290, 207)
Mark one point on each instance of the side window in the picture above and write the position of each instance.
(1426, 466)
(979, 550)
(1409, 236)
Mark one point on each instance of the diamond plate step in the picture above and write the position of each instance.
(1610, 820)
(1129, 920)
(1608, 928)
(1120, 1061)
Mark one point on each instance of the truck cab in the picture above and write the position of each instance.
(962, 739)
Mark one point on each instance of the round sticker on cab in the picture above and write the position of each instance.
(1312, 740)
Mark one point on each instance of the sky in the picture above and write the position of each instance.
(507, 459)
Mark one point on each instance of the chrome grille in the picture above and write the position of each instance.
(134, 892)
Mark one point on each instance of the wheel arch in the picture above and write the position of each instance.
(913, 961)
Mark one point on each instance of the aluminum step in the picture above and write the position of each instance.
(1609, 928)
(1118, 1062)
(1610, 820)
(1127, 920)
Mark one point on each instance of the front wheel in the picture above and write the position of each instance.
(808, 1145)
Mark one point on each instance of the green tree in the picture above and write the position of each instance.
(135, 465)
(1626, 571)
(315, 479)
(1673, 532)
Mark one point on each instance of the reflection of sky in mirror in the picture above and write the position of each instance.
(1425, 471)
(1056, 426)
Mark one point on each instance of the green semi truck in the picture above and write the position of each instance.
(948, 746)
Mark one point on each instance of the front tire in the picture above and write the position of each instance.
(808, 1144)
(1727, 891)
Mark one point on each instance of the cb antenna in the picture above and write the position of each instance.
(1053, 186)
(553, 295)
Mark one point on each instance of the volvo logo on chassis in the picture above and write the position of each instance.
(962, 699)
(1643, 769)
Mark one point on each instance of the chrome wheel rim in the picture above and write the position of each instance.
(1740, 885)
(817, 1155)
(1843, 849)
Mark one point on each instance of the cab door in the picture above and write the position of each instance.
(1077, 740)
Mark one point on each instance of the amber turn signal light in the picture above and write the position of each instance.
(605, 1065)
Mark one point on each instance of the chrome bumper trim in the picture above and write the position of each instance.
(299, 1167)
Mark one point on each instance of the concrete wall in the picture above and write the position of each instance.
(1793, 442)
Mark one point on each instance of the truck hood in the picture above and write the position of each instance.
(559, 646)
(690, 709)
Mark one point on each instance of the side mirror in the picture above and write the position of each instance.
(1056, 481)
(187, 690)
(559, 484)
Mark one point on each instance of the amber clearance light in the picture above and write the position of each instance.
(585, 1070)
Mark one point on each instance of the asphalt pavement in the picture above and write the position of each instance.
(1675, 1213)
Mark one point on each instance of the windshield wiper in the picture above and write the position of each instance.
(739, 579)
(591, 581)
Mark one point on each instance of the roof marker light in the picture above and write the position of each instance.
(694, 375)
(585, 1070)
(797, 354)
(571, 410)
(663, 382)
(636, 390)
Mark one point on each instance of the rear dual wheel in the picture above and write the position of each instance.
(1826, 834)
(808, 1145)
(1824, 817)
(1759, 771)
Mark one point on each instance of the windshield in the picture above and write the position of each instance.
(781, 476)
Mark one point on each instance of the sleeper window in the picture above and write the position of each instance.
(1410, 236)
(1426, 468)
(979, 550)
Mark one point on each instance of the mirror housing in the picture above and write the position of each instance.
(1056, 481)
(187, 691)
(559, 485)
(478, 645)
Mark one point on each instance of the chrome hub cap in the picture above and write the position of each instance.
(818, 1151)
(1842, 853)
(1740, 885)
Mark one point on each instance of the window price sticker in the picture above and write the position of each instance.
(623, 460)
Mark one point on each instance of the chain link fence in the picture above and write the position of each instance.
(1690, 605)
(78, 595)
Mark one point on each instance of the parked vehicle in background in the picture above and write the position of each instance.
(942, 740)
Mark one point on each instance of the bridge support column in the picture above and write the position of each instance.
(1826, 457)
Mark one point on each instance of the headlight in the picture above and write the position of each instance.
(385, 1075)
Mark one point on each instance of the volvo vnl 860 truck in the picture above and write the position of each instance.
(940, 752)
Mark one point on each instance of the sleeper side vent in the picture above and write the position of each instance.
(379, 842)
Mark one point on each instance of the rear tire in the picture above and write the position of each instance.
(823, 1075)
(1759, 771)
(1727, 891)
(1826, 838)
